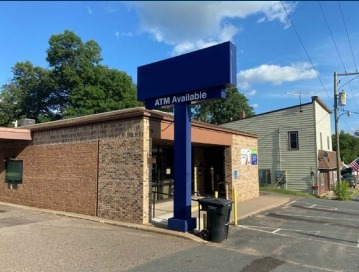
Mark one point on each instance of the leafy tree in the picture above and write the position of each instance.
(349, 146)
(223, 111)
(75, 84)
(110, 90)
(27, 95)
(73, 64)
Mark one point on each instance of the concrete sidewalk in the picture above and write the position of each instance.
(265, 201)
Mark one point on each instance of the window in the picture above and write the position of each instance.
(321, 141)
(264, 176)
(293, 143)
(13, 172)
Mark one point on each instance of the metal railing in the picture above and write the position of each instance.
(156, 193)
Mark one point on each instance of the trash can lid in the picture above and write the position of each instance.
(216, 202)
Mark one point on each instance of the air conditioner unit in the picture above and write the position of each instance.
(27, 122)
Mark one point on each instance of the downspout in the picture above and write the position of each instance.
(279, 152)
(280, 155)
(97, 176)
(314, 178)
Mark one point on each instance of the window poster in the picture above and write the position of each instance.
(246, 156)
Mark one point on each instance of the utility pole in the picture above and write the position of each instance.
(336, 118)
(336, 126)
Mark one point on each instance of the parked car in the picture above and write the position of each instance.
(350, 176)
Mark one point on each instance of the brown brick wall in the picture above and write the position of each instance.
(58, 177)
(119, 129)
(104, 169)
(247, 184)
(146, 171)
(64, 170)
(124, 176)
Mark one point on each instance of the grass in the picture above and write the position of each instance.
(284, 191)
(355, 191)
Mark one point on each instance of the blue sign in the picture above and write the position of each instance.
(235, 174)
(254, 159)
(181, 81)
(211, 68)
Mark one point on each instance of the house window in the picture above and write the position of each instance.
(293, 143)
(264, 176)
(13, 172)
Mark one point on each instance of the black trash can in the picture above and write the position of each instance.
(218, 214)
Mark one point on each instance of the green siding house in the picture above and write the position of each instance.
(294, 146)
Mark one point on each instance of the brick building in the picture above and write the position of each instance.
(106, 164)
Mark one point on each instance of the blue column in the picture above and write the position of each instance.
(182, 220)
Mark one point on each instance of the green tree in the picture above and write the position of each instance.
(27, 95)
(223, 111)
(110, 90)
(75, 84)
(349, 146)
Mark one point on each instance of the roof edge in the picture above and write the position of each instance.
(15, 134)
(321, 103)
(137, 112)
(89, 119)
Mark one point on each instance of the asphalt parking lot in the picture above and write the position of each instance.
(314, 233)
(36, 241)
(303, 235)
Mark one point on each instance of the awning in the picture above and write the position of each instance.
(15, 134)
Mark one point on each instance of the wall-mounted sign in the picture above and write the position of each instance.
(246, 156)
(249, 156)
(254, 157)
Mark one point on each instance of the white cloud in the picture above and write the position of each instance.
(276, 74)
(124, 34)
(251, 92)
(261, 20)
(254, 106)
(276, 12)
(191, 25)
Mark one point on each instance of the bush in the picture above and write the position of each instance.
(342, 191)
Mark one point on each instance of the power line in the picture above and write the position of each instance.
(331, 34)
(300, 40)
(351, 49)
(336, 47)
(345, 26)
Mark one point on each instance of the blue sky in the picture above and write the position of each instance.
(272, 64)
